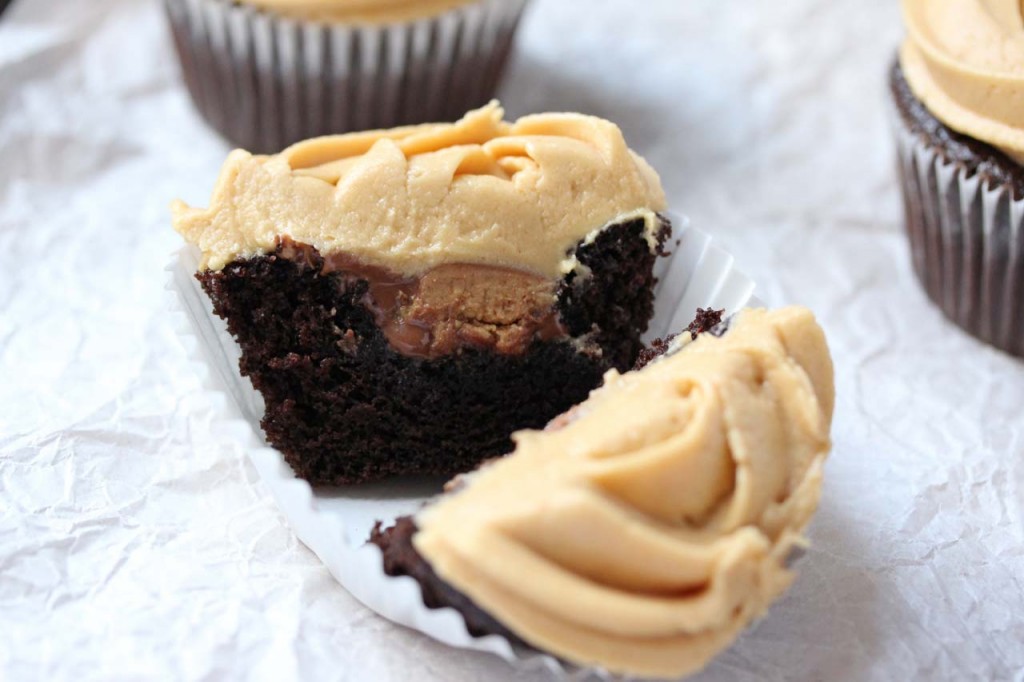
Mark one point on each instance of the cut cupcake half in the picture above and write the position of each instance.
(405, 299)
(641, 531)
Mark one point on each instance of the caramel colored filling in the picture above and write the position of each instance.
(449, 307)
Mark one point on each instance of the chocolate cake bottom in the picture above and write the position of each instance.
(343, 406)
(401, 558)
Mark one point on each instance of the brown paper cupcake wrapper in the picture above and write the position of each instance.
(265, 81)
(967, 242)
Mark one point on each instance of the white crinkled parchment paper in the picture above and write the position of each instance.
(137, 542)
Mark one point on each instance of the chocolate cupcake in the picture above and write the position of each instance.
(958, 89)
(268, 73)
(406, 299)
(643, 530)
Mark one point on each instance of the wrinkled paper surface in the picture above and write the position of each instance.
(136, 541)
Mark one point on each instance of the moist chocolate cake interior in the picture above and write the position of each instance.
(344, 407)
(706, 320)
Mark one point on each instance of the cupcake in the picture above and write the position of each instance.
(268, 73)
(642, 531)
(405, 299)
(958, 89)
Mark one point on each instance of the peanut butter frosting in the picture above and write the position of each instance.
(359, 11)
(965, 60)
(481, 191)
(644, 529)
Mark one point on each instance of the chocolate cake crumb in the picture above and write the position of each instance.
(657, 348)
(706, 320)
(609, 312)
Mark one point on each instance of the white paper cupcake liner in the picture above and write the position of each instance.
(336, 522)
(265, 81)
(966, 240)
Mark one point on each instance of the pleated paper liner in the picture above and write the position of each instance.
(336, 522)
(966, 240)
(265, 81)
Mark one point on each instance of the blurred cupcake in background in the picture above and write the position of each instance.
(958, 88)
(267, 73)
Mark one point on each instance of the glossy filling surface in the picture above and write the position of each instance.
(448, 307)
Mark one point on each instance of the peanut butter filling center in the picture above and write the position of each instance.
(449, 307)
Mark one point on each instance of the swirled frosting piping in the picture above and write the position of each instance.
(359, 11)
(642, 531)
(480, 191)
(965, 60)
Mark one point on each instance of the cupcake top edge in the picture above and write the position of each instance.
(964, 59)
(481, 190)
(656, 519)
(357, 11)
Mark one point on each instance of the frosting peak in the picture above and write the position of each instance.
(655, 520)
(480, 190)
(965, 60)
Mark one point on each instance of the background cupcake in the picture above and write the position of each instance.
(266, 73)
(958, 86)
